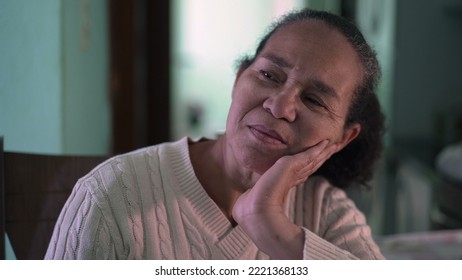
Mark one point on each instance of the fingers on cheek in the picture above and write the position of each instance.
(304, 164)
(312, 164)
(302, 174)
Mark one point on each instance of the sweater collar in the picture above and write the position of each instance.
(233, 241)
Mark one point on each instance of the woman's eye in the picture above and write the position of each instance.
(313, 101)
(268, 75)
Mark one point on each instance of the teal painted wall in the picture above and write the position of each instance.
(54, 76)
(86, 110)
(377, 21)
(30, 75)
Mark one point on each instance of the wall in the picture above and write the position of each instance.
(53, 76)
(428, 87)
(30, 75)
(418, 45)
(377, 21)
(85, 58)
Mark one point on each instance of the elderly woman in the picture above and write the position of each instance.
(304, 122)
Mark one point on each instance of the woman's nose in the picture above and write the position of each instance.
(282, 105)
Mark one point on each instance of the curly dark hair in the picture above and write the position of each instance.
(356, 162)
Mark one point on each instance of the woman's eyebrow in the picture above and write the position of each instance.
(279, 61)
(324, 88)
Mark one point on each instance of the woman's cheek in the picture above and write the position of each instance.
(323, 130)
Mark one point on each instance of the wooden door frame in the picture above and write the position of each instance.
(139, 73)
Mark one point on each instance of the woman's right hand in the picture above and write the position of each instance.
(260, 210)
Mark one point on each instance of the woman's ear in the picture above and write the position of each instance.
(350, 134)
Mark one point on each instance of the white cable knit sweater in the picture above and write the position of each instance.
(148, 204)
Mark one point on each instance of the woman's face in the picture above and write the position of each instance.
(294, 95)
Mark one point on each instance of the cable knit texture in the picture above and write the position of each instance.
(148, 204)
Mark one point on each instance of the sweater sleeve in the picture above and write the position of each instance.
(334, 228)
(81, 231)
(317, 248)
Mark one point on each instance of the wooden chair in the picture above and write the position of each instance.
(35, 188)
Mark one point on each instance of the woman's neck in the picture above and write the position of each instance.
(222, 177)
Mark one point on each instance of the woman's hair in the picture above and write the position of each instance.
(356, 162)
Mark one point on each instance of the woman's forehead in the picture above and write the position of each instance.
(308, 31)
(311, 41)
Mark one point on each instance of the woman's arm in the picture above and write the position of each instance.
(81, 231)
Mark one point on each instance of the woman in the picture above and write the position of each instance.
(303, 122)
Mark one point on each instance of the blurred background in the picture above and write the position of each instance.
(109, 76)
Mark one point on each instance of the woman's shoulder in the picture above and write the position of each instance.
(122, 163)
(134, 171)
(135, 161)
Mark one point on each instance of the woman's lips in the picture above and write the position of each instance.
(266, 134)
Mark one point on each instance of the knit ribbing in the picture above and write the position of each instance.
(232, 241)
(193, 190)
(317, 248)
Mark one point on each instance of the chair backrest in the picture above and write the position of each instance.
(35, 190)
